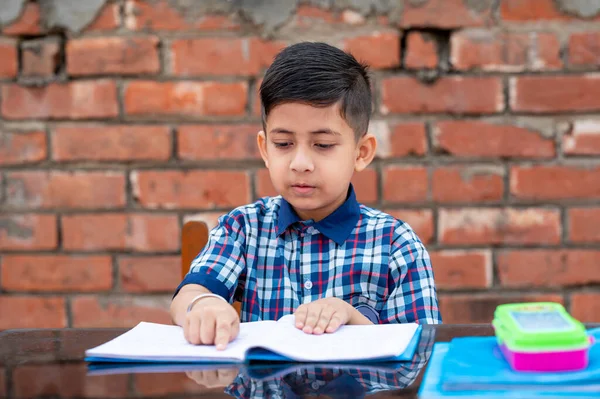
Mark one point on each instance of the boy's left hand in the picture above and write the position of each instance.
(323, 315)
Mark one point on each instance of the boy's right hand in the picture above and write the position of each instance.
(211, 321)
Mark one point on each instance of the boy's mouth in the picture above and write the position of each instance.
(302, 188)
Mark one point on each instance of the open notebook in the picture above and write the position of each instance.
(263, 341)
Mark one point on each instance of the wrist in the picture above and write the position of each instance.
(356, 317)
(202, 296)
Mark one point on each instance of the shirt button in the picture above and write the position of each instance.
(308, 284)
(315, 385)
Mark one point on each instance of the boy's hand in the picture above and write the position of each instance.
(213, 378)
(323, 315)
(211, 321)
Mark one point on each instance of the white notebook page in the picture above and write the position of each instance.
(160, 342)
(346, 344)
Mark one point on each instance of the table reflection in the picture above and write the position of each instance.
(292, 380)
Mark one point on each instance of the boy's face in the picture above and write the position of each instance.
(311, 154)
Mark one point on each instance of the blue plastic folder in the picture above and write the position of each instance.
(474, 367)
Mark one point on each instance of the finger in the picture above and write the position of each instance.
(301, 315)
(314, 312)
(207, 330)
(186, 329)
(194, 330)
(211, 378)
(334, 323)
(323, 321)
(235, 330)
(222, 333)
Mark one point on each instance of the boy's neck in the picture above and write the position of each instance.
(319, 214)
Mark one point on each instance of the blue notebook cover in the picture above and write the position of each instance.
(262, 355)
(433, 379)
(476, 362)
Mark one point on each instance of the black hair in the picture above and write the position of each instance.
(320, 75)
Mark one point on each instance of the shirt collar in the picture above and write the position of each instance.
(337, 226)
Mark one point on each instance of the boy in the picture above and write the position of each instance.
(313, 251)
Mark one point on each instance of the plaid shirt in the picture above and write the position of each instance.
(263, 255)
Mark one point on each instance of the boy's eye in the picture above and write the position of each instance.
(282, 145)
(325, 146)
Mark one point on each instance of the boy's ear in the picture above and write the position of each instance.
(261, 139)
(365, 152)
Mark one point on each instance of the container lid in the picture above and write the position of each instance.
(540, 326)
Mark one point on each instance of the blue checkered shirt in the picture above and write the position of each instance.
(265, 256)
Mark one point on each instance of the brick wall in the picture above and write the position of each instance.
(116, 132)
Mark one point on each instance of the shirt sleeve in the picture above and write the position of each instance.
(221, 262)
(411, 285)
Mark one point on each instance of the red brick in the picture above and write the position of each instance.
(194, 189)
(554, 182)
(111, 143)
(162, 16)
(112, 55)
(109, 18)
(28, 23)
(585, 306)
(210, 218)
(421, 51)
(468, 183)
(407, 95)
(73, 100)
(379, 49)
(420, 220)
(149, 273)
(61, 189)
(550, 94)
(462, 269)
(407, 139)
(185, 98)
(583, 138)
(32, 312)
(584, 49)
(543, 50)
(28, 231)
(122, 312)
(66, 381)
(468, 308)
(22, 147)
(308, 16)
(446, 14)
(491, 139)
(214, 142)
(123, 232)
(40, 57)
(583, 224)
(405, 184)
(548, 268)
(168, 384)
(533, 11)
(263, 184)
(56, 273)
(365, 186)
(221, 56)
(9, 67)
(496, 51)
(499, 226)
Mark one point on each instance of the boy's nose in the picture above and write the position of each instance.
(301, 162)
